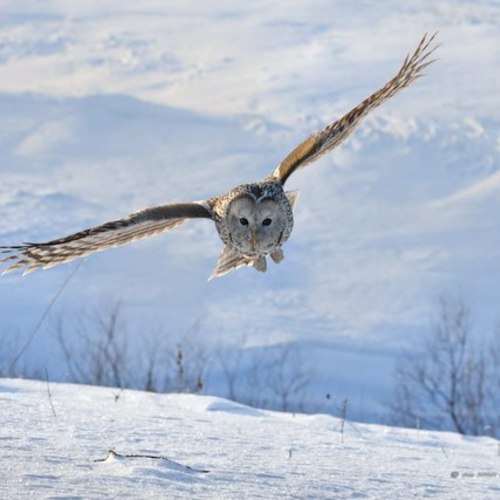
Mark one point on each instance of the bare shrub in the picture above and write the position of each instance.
(98, 351)
(230, 362)
(451, 381)
(273, 377)
(100, 348)
(11, 364)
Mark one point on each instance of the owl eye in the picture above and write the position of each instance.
(266, 222)
(244, 221)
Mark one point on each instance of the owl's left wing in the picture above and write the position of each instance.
(333, 134)
(148, 222)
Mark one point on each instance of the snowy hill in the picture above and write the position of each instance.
(187, 446)
(107, 109)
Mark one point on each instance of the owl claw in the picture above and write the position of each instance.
(260, 264)
(277, 255)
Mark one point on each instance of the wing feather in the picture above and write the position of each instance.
(333, 134)
(137, 225)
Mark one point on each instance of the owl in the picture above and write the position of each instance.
(253, 220)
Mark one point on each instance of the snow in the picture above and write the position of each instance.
(109, 108)
(248, 453)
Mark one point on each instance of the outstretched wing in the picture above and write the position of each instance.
(142, 224)
(333, 134)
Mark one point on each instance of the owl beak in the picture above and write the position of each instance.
(254, 239)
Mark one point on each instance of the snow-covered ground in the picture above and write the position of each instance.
(109, 107)
(188, 446)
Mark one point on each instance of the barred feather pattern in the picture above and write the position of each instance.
(333, 134)
(149, 222)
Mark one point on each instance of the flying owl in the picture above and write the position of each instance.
(253, 220)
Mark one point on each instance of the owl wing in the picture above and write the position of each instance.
(137, 225)
(333, 134)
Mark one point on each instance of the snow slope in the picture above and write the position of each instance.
(63, 452)
(107, 109)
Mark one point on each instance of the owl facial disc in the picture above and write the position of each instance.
(255, 226)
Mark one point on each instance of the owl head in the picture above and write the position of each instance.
(257, 225)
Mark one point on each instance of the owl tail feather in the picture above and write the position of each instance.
(230, 260)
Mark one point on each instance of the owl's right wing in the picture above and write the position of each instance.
(137, 225)
(333, 134)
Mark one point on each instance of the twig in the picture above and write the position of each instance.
(343, 416)
(118, 394)
(49, 393)
(113, 453)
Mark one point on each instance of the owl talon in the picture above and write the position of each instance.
(260, 264)
(277, 255)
